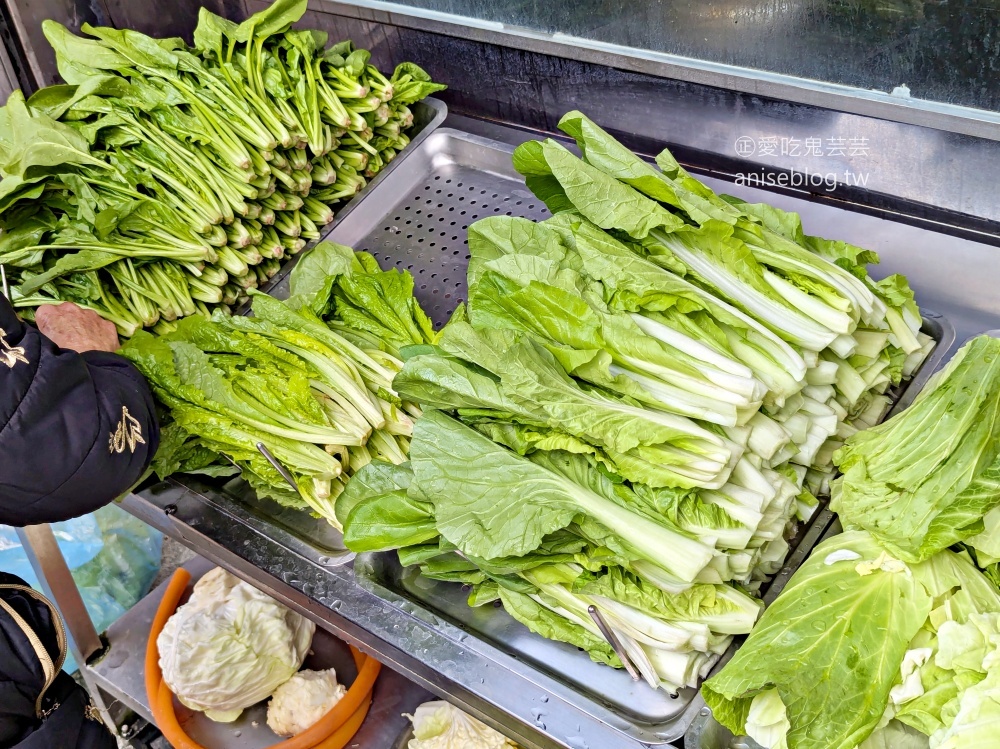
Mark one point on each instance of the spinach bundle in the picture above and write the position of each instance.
(162, 181)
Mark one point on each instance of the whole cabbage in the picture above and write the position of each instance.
(230, 646)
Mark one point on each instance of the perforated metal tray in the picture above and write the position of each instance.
(415, 218)
(419, 219)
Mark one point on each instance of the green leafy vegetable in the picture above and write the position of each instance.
(174, 173)
(925, 479)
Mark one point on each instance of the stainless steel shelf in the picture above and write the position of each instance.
(121, 674)
(301, 561)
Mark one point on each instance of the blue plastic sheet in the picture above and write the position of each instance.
(113, 556)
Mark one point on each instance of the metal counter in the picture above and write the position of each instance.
(301, 562)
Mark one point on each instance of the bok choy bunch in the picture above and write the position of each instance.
(163, 181)
(824, 342)
(640, 398)
(549, 535)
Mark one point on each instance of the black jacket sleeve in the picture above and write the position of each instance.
(76, 430)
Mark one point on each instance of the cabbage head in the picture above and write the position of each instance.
(230, 646)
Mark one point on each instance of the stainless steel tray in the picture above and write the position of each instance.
(417, 220)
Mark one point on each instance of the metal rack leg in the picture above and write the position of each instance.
(57, 584)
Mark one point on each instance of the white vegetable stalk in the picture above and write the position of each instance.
(844, 346)
(781, 318)
(863, 302)
(824, 373)
(747, 515)
(914, 360)
(685, 558)
(871, 343)
(684, 403)
(902, 334)
(817, 309)
(740, 390)
(690, 469)
(779, 381)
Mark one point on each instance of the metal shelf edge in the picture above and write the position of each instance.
(120, 672)
(436, 655)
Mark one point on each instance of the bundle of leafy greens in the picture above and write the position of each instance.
(581, 337)
(794, 339)
(641, 396)
(370, 306)
(865, 650)
(162, 181)
(511, 388)
(549, 535)
(322, 403)
(929, 477)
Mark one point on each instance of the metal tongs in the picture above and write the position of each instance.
(279, 467)
(614, 642)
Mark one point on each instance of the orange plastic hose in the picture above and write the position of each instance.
(350, 703)
(333, 731)
(343, 735)
(166, 720)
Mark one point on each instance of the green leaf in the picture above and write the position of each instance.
(274, 19)
(831, 644)
(978, 717)
(782, 223)
(382, 303)
(550, 625)
(55, 101)
(467, 511)
(78, 261)
(496, 236)
(136, 48)
(39, 142)
(388, 521)
(484, 518)
(611, 157)
(180, 453)
(74, 49)
(440, 381)
(375, 479)
(316, 272)
(722, 608)
(211, 30)
(596, 195)
(378, 514)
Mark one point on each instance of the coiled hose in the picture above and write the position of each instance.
(333, 731)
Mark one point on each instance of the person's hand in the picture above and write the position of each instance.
(71, 327)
